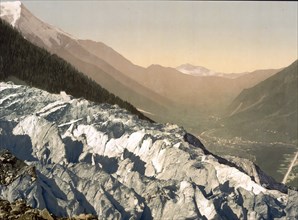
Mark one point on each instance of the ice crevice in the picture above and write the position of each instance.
(99, 158)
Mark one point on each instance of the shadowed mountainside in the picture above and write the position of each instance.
(163, 94)
(267, 111)
(37, 67)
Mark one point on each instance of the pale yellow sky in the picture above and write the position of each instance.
(222, 36)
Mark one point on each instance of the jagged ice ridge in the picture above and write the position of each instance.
(100, 159)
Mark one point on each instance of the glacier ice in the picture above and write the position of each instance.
(100, 159)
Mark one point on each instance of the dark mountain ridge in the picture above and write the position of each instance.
(73, 51)
(163, 94)
(39, 68)
(267, 111)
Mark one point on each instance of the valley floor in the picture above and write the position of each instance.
(274, 158)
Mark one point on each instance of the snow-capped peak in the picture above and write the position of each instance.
(49, 36)
(11, 10)
(194, 70)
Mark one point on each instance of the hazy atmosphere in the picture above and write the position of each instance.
(148, 110)
(222, 36)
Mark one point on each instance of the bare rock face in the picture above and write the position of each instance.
(83, 158)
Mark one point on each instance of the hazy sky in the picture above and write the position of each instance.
(223, 36)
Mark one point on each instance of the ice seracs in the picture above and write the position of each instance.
(99, 159)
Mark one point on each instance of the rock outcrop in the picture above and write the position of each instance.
(18, 210)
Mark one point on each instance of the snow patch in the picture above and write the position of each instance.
(11, 10)
(51, 36)
(50, 108)
(8, 97)
(12, 103)
(4, 86)
(70, 122)
(192, 70)
(195, 70)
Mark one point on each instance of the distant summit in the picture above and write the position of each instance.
(166, 93)
(190, 69)
(86, 56)
(194, 70)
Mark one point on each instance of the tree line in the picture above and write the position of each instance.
(41, 69)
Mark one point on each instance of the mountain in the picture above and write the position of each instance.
(202, 71)
(69, 48)
(267, 111)
(163, 94)
(195, 70)
(198, 96)
(112, 57)
(196, 93)
(31, 65)
(71, 156)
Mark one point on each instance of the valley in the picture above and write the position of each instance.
(196, 98)
(85, 131)
(150, 89)
(273, 158)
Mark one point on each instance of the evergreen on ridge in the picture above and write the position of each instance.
(37, 67)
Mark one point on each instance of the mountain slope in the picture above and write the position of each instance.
(69, 48)
(267, 110)
(101, 160)
(163, 92)
(197, 93)
(37, 67)
(112, 57)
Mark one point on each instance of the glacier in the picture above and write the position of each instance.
(100, 159)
